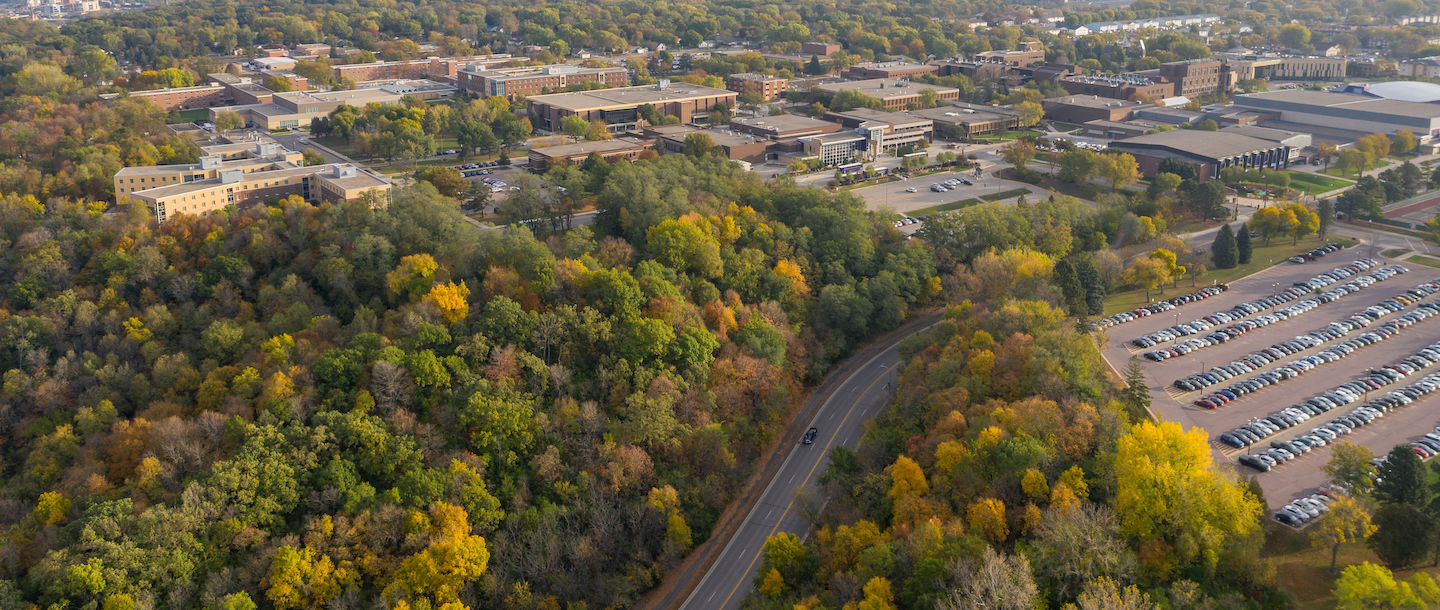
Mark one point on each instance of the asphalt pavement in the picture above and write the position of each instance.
(1304, 475)
(840, 421)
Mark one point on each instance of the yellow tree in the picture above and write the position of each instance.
(1034, 485)
(452, 558)
(1169, 497)
(1306, 221)
(877, 596)
(907, 489)
(1368, 587)
(1347, 522)
(987, 516)
(1119, 170)
(413, 276)
(453, 300)
(1147, 272)
(1173, 268)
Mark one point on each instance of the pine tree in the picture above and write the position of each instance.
(1402, 479)
(1223, 252)
(1327, 215)
(1135, 394)
(1242, 244)
(1068, 281)
(814, 67)
(1094, 287)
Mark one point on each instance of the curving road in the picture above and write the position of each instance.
(840, 419)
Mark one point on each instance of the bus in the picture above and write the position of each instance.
(851, 168)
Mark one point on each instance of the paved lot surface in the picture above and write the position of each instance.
(1305, 474)
(893, 195)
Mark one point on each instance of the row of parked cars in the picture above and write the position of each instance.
(1344, 394)
(1240, 311)
(1331, 332)
(1305, 257)
(1157, 307)
(1299, 308)
(1302, 511)
(1299, 366)
(1427, 446)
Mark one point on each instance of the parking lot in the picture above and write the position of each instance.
(1303, 475)
(893, 195)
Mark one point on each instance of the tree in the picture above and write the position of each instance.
(1136, 393)
(1018, 153)
(698, 144)
(1147, 272)
(574, 125)
(1000, 580)
(278, 84)
(1222, 251)
(1350, 468)
(226, 121)
(1402, 535)
(1167, 492)
(1402, 478)
(1068, 280)
(1326, 153)
(1306, 222)
(1326, 213)
(1272, 221)
(474, 136)
(448, 181)
(814, 67)
(597, 131)
(312, 157)
(1347, 522)
(987, 516)
(1095, 287)
(1119, 170)
(1163, 185)
(1294, 36)
(452, 558)
(1403, 142)
(1029, 113)
(1077, 165)
(1374, 146)
(1350, 160)
(1243, 248)
(1370, 587)
(1105, 594)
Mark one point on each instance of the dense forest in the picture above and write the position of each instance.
(307, 405)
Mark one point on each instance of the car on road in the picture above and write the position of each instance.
(809, 438)
(910, 190)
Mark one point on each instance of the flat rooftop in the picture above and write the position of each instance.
(879, 116)
(958, 114)
(782, 123)
(882, 87)
(361, 179)
(585, 148)
(1208, 144)
(1094, 101)
(1347, 101)
(352, 97)
(165, 170)
(628, 96)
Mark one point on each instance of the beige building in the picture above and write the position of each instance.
(887, 69)
(542, 159)
(619, 109)
(294, 109)
(245, 157)
(893, 94)
(1246, 67)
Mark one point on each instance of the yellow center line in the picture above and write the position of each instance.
(829, 442)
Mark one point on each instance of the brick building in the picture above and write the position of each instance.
(767, 86)
(619, 109)
(888, 69)
(1118, 86)
(1030, 53)
(542, 159)
(893, 94)
(181, 98)
(1196, 77)
(535, 80)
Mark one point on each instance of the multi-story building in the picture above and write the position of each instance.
(1030, 53)
(1118, 86)
(619, 108)
(887, 69)
(181, 98)
(1428, 67)
(439, 68)
(963, 121)
(766, 86)
(885, 131)
(783, 126)
(836, 148)
(1196, 77)
(1207, 152)
(735, 146)
(821, 49)
(243, 174)
(1079, 109)
(1277, 67)
(296, 108)
(536, 80)
(542, 159)
(893, 94)
(1358, 114)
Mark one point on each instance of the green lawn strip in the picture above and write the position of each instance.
(1262, 257)
(1314, 184)
(945, 207)
(1421, 259)
(189, 116)
(1393, 252)
(1005, 194)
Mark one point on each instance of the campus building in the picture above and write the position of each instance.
(767, 86)
(887, 69)
(619, 109)
(435, 68)
(821, 49)
(293, 109)
(886, 131)
(542, 159)
(1079, 109)
(836, 148)
(242, 174)
(1196, 77)
(964, 121)
(1118, 86)
(1206, 152)
(182, 98)
(893, 94)
(536, 80)
(783, 126)
(1342, 111)
(1276, 67)
(1030, 53)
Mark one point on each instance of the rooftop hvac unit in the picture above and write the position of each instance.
(231, 176)
(210, 162)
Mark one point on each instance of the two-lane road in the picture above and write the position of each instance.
(840, 421)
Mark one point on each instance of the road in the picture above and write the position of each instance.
(840, 419)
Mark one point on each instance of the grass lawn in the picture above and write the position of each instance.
(1260, 258)
(1314, 184)
(965, 203)
(1421, 259)
(1393, 252)
(1007, 136)
(189, 116)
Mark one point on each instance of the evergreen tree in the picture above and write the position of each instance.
(1068, 280)
(1135, 394)
(1094, 287)
(1223, 251)
(1242, 244)
(1327, 215)
(815, 67)
(1402, 534)
(1402, 479)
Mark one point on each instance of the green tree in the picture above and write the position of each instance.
(1294, 36)
(1350, 468)
(1347, 522)
(1243, 249)
(1370, 587)
(1402, 478)
(1223, 251)
(1326, 212)
(698, 144)
(574, 125)
(1137, 392)
(1018, 153)
(1402, 535)
(1068, 280)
